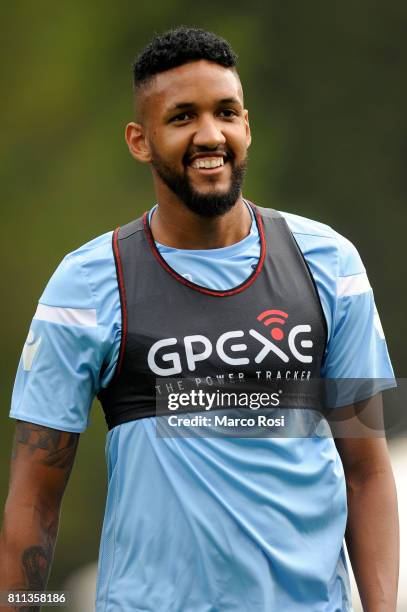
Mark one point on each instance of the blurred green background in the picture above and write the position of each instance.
(326, 87)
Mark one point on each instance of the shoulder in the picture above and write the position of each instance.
(82, 276)
(95, 252)
(333, 261)
(307, 227)
(320, 241)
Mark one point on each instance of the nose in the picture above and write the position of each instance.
(208, 133)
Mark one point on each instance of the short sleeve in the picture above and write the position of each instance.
(357, 347)
(71, 348)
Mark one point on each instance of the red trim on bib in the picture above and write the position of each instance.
(122, 292)
(195, 286)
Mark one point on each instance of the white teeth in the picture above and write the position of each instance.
(208, 162)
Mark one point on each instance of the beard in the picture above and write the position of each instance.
(212, 204)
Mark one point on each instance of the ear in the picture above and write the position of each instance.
(137, 142)
(247, 126)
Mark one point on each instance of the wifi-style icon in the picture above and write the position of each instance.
(268, 317)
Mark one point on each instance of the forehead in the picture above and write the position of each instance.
(192, 83)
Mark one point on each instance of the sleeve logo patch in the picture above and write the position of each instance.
(30, 350)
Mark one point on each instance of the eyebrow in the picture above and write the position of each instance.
(232, 100)
(184, 105)
(180, 106)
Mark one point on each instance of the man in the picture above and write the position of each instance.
(194, 524)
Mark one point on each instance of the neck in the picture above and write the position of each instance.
(174, 225)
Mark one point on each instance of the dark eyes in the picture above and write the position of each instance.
(225, 113)
(182, 117)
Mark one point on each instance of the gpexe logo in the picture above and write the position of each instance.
(199, 348)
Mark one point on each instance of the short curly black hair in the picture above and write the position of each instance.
(180, 46)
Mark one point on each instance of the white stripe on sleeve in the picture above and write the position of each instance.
(378, 324)
(353, 285)
(85, 317)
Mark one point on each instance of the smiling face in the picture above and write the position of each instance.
(195, 133)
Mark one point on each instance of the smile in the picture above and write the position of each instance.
(207, 162)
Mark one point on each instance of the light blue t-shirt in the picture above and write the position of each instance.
(205, 524)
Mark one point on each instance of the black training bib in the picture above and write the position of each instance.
(270, 326)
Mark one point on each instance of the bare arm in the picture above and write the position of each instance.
(372, 533)
(41, 463)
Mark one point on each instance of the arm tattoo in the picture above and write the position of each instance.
(36, 563)
(59, 446)
(50, 448)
